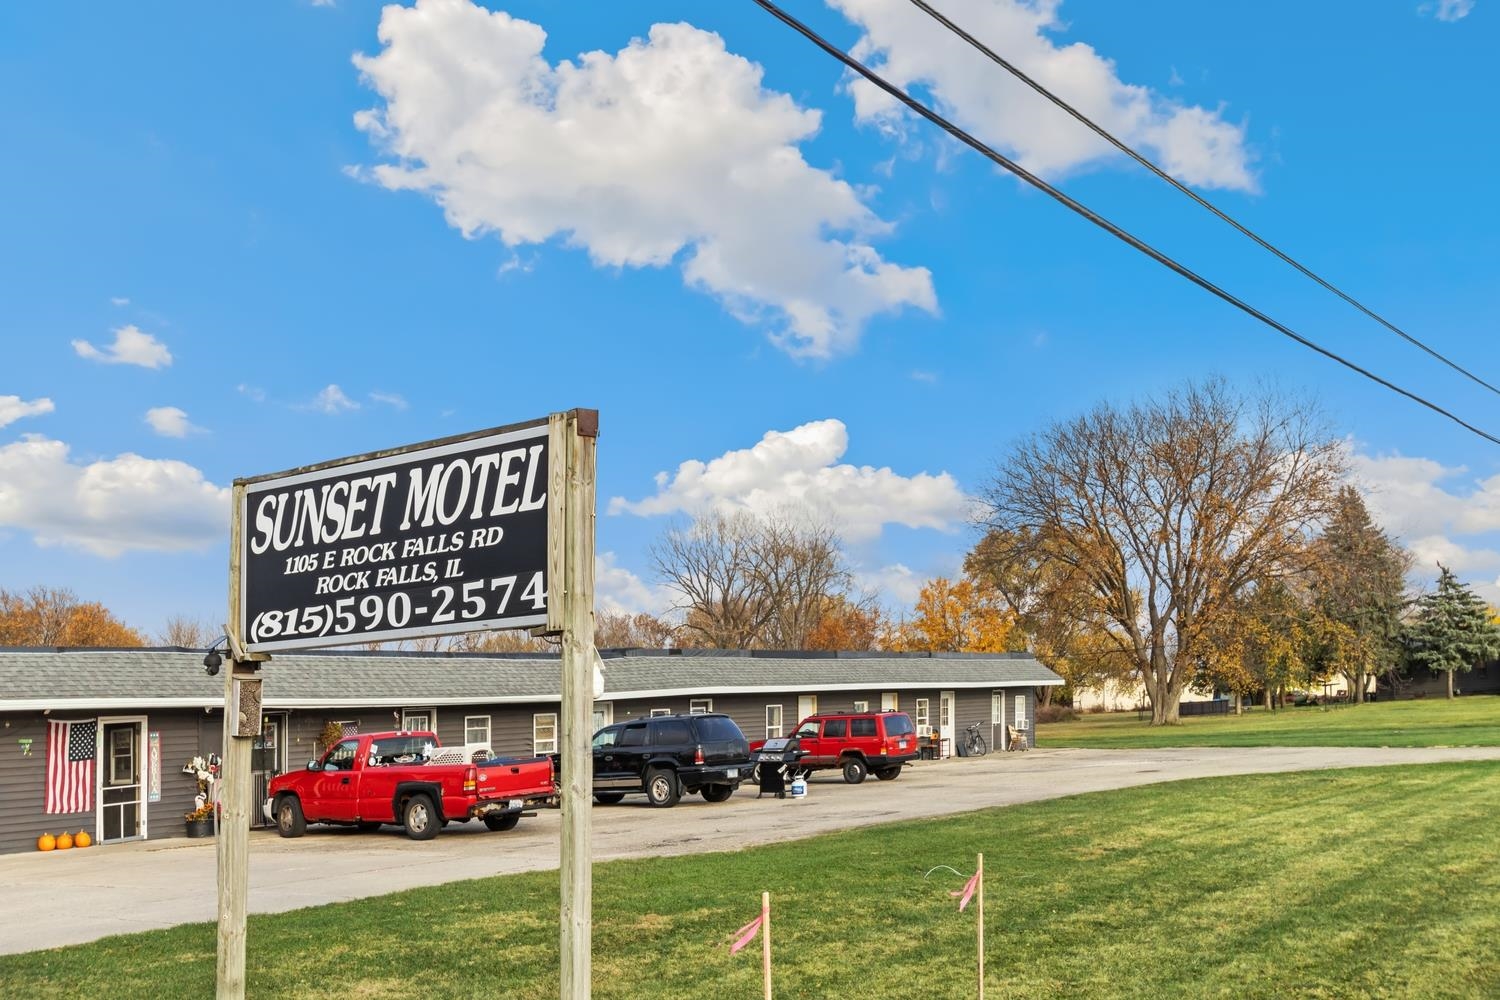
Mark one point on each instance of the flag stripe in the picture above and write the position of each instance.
(71, 748)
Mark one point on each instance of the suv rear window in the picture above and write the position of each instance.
(898, 725)
(718, 729)
(863, 727)
(836, 728)
(671, 733)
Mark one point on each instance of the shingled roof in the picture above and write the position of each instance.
(172, 677)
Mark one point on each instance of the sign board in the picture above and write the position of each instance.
(438, 538)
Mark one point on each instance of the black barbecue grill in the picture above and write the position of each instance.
(776, 763)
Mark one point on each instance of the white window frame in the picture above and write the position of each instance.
(470, 728)
(541, 746)
(861, 706)
(774, 729)
(997, 708)
(408, 713)
(129, 756)
(604, 714)
(1020, 701)
(890, 701)
(657, 713)
(694, 703)
(924, 717)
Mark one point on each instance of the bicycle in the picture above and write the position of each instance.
(974, 745)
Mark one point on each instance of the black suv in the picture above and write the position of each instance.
(668, 755)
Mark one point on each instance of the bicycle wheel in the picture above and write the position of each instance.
(977, 746)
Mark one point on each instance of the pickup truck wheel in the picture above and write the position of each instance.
(661, 788)
(717, 793)
(608, 798)
(854, 770)
(420, 818)
(289, 819)
(889, 773)
(503, 822)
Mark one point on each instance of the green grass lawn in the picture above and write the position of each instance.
(1471, 721)
(1361, 883)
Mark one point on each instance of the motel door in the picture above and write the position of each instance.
(946, 730)
(267, 760)
(122, 814)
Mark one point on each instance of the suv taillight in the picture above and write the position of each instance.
(698, 755)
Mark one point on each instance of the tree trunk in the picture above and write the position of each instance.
(1270, 707)
(1239, 703)
(1359, 686)
(1450, 684)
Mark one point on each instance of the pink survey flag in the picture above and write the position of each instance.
(967, 892)
(745, 934)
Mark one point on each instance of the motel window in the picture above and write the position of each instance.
(1020, 711)
(861, 706)
(889, 702)
(544, 733)
(700, 706)
(924, 716)
(477, 729)
(773, 721)
(660, 711)
(419, 719)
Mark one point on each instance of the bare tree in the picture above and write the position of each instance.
(751, 582)
(1166, 510)
(618, 630)
(189, 633)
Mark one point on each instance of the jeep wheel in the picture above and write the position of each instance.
(717, 793)
(289, 819)
(889, 773)
(420, 818)
(608, 798)
(503, 822)
(661, 787)
(854, 770)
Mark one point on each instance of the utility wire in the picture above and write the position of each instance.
(1168, 262)
(1098, 130)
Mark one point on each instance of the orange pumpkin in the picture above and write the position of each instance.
(46, 842)
(83, 839)
(65, 841)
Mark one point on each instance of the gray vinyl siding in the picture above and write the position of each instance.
(23, 787)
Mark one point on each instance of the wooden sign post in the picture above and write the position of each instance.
(573, 439)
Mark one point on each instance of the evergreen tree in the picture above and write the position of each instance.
(1453, 630)
(1358, 584)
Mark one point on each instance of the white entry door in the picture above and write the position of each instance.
(807, 704)
(946, 729)
(122, 790)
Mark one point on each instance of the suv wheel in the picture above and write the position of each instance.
(854, 770)
(661, 787)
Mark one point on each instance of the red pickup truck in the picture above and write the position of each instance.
(377, 778)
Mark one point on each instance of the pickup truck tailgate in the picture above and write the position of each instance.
(515, 778)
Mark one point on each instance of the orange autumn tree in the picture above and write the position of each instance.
(850, 624)
(958, 616)
(53, 616)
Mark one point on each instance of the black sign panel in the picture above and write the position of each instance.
(436, 539)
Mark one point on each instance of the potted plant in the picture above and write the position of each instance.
(200, 821)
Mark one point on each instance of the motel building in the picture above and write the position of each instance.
(97, 739)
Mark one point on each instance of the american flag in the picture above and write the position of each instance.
(71, 748)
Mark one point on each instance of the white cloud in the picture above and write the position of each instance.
(1447, 10)
(896, 584)
(252, 392)
(908, 48)
(918, 375)
(119, 300)
(169, 421)
(390, 399)
(619, 591)
(13, 408)
(132, 346)
(799, 468)
(331, 400)
(111, 506)
(1455, 524)
(667, 152)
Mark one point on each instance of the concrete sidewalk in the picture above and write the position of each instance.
(68, 897)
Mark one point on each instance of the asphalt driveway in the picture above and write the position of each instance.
(68, 897)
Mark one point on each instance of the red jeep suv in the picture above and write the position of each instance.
(856, 742)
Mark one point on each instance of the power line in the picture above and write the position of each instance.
(999, 158)
(1098, 130)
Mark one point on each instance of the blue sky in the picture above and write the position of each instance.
(237, 241)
